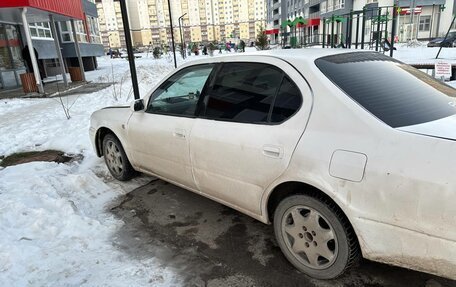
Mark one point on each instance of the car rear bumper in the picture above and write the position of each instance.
(407, 248)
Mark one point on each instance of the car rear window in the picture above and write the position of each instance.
(395, 93)
(244, 92)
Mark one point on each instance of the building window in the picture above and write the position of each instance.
(92, 22)
(80, 31)
(65, 31)
(40, 30)
(425, 23)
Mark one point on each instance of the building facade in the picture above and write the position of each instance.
(429, 19)
(13, 37)
(111, 24)
(202, 21)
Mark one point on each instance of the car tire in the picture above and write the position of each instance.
(315, 236)
(116, 159)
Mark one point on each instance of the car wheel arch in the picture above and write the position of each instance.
(289, 188)
(99, 136)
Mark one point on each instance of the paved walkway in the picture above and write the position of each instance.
(55, 89)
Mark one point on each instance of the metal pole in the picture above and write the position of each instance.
(363, 28)
(378, 29)
(449, 29)
(438, 21)
(58, 50)
(182, 36)
(332, 31)
(324, 32)
(131, 57)
(412, 10)
(357, 30)
(213, 20)
(393, 29)
(386, 25)
(32, 52)
(350, 32)
(78, 51)
(172, 33)
(432, 20)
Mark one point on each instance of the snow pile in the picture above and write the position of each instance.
(55, 227)
(55, 231)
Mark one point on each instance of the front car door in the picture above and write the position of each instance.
(159, 135)
(253, 116)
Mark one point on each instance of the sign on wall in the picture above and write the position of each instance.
(442, 69)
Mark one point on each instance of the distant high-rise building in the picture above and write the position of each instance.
(203, 21)
(111, 25)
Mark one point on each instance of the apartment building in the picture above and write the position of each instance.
(201, 21)
(111, 24)
(429, 19)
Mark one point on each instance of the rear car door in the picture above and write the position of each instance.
(159, 135)
(252, 119)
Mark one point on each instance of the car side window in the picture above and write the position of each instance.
(243, 92)
(287, 102)
(180, 93)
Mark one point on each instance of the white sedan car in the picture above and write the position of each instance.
(346, 153)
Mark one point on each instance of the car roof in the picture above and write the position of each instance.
(308, 55)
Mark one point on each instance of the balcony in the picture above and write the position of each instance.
(314, 2)
(314, 15)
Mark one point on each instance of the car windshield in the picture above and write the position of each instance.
(395, 93)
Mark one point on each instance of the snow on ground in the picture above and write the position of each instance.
(54, 224)
(423, 54)
(55, 230)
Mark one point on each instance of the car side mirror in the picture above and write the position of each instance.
(137, 105)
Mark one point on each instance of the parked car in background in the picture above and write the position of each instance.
(347, 154)
(450, 41)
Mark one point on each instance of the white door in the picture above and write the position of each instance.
(159, 135)
(253, 118)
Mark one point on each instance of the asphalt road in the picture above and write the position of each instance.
(209, 244)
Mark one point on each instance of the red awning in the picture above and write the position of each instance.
(70, 8)
(408, 10)
(313, 22)
(272, 31)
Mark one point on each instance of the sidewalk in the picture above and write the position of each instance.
(56, 88)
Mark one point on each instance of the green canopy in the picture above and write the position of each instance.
(337, 19)
(296, 21)
(383, 18)
(286, 23)
(299, 20)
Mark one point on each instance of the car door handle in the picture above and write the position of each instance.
(179, 133)
(273, 151)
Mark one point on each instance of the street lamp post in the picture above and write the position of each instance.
(172, 33)
(182, 37)
(131, 58)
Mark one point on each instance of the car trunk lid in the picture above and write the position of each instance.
(444, 128)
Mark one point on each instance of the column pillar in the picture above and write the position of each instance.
(59, 51)
(78, 51)
(36, 70)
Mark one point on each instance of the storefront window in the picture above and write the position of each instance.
(11, 63)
